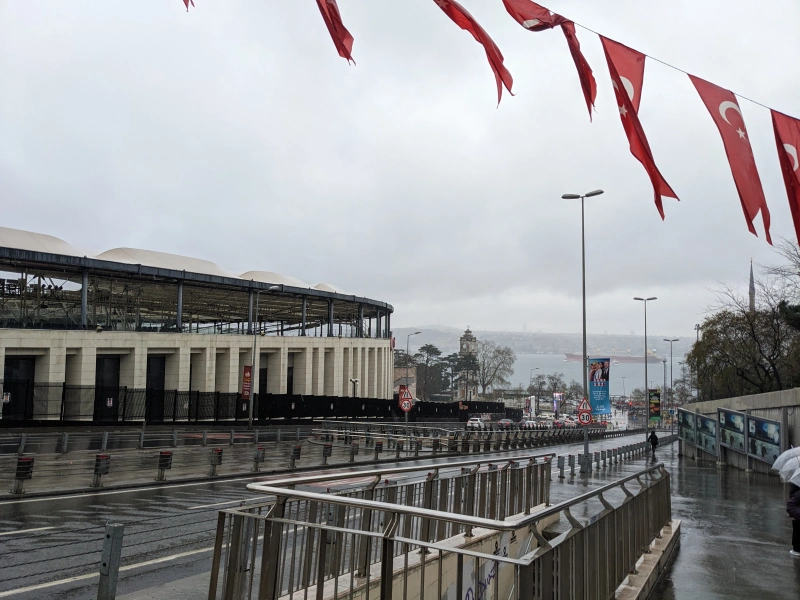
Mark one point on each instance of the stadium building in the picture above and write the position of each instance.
(128, 334)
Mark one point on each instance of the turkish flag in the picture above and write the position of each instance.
(333, 21)
(787, 137)
(535, 17)
(187, 3)
(466, 21)
(724, 109)
(626, 67)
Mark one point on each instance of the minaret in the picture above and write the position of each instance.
(752, 290)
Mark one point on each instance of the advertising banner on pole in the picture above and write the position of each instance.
(247, 382)
(731, 425)
(707, 434)
(687, 426)
(598, 386)
(654, 406)
(558, 398)
(763, 439)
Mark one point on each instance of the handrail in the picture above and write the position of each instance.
(294, 481)
(507, 525)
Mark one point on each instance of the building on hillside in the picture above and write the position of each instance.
(467, 381)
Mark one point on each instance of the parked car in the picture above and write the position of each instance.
(505, 425)
(527, 424)
(476, 424)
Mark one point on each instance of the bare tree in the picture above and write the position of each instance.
(495, 364)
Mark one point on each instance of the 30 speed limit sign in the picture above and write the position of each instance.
(405, 405)
(585, 418)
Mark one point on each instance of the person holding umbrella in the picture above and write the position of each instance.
(793, 508)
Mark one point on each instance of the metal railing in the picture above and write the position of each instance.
(474, 533)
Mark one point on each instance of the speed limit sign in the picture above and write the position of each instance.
(585, 418)
(405, 405)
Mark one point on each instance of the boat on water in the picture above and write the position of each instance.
(651, 358)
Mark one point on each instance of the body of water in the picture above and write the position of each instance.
(555, 363)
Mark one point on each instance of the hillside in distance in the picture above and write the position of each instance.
(446, 339)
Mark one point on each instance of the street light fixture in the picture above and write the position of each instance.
(671, 378)
(586, 463)
(408, 364)
(536, 410)
(646, 388)
(254, 358)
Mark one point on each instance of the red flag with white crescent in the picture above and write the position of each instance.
(787, 138)
(339, 34)
(724, 109)
(626, 67)
(467, 22)
(535, 17)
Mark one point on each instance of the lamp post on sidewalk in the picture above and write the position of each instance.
(586, 464)
(646, 387)
(408, 364)
(254, 357)
(671, 378)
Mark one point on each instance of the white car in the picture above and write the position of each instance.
(476, 424)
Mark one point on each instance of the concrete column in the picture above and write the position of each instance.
(177, 364)
(373, 372)
(226, 378)
(179, 315)
(305, 308)
(84, 298)
(365, 372)
(355, 359)
(347, 373)
(318, 371)
(378, 323)
(250, 313)
(330, 372)
(360, 320)
(202, 370)
(276, 371)
(80, 369)
(388, 325)
(380, 373)
(303, 372)
(133, 368)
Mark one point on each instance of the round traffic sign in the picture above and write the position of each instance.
(585, 418)
(405, 405)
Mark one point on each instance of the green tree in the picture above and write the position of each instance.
(427, 372)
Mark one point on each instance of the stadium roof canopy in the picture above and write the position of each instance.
(126, 281)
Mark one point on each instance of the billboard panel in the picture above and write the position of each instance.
(707, 434)
(598, 386)
(686, 426)
(654, 406)
(763, 439)
(731, 424)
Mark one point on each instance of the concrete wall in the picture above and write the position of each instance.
(216, 361)
(776, 406)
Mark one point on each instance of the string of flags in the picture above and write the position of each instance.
(626, 70)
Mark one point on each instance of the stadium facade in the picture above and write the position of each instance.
(130, 334)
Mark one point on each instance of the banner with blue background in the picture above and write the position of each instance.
(599, 396)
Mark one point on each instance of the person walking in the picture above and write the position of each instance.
(793, 508)
(653, 439)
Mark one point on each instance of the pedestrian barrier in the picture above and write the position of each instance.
(24, 471)
(294, 456)
(164, 463)
(258, 458)
(102, 462)
(419, 540)
(327, 451)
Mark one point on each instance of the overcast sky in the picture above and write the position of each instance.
(236, 134)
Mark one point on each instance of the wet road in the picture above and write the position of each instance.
(168, 532)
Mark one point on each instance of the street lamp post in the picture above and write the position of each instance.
(646, 393)
(254, 358)
(536, 410)
(408, 364)
(671, 378)
(586, 463)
